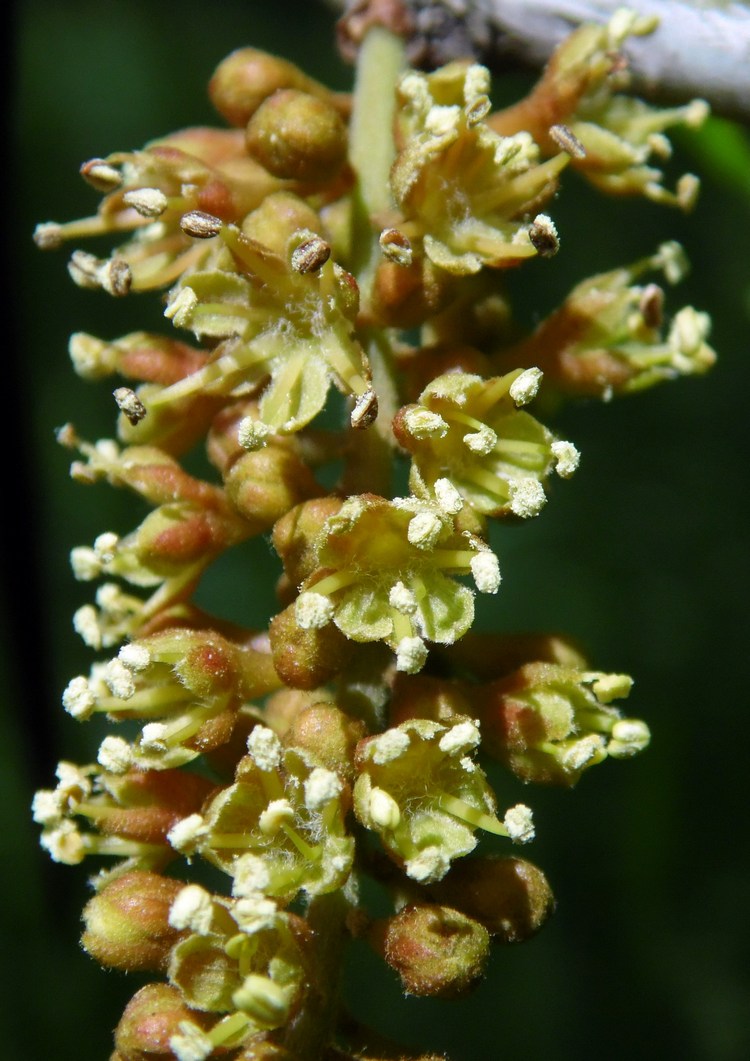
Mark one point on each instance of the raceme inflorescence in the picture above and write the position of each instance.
(255, 782)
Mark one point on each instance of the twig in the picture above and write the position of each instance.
(701, 48)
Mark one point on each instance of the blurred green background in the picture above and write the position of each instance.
(642, 556)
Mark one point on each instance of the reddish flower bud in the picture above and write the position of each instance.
(277, 218)
(152, 802)
(247, 77)
(127, 924)
(265, 484)
(295, 536)
(511, 897)
(436, 950)
(421, 696)
(297, 136)
(150, 1019)
(329, 734)
(305, 659)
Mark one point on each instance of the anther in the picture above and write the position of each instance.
(566, 139)
(129, 404)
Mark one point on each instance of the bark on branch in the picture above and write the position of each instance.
(701, 47)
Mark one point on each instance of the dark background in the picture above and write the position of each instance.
(642, 556)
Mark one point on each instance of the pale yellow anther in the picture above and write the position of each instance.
(460, 738)
(191, 1043)
(485, 571)
(278, 812)
(422, 423)
(264, 748)
(527, 497)
(148, 202)
(524, 388)
(253, 434)
(519, 822)
(115, 755)
(180, 309)
(402, 599)
(119, 679)
(321, 787)
(424, 530)
(186, 834)
(383, 810)
(448, 497)
(567, 458)
(313, 611)
(411, 655)
(193, 909)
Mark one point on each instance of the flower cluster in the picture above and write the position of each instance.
(346, 736)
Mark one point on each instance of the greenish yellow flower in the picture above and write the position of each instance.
(121, 813)
(288, 318)
(421, 791)
(384, 572)
(549, 723)
(463, 189)
(192, 525)
(282, 821)
(612, 138)
(185, 685)
(609, 336)
(146, 194)
(241, 959)
(468, 432)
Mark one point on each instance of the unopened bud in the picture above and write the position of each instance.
(436, 950)
(509, 896)
(306, 658)
(150, 1019)
(329, 734)
(298, 136)
(127, 923)
(248, 76)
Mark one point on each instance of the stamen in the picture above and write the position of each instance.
(478, 819)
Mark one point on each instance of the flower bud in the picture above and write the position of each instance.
(265, 484)
(297, 136)
(150, 1019)
(277, 218)
(421, 696)
(510, 896)
(148, 803)
(295, 536)
(306, 658)
(247, 77)
(436, 950)
(127, 923)
(328, 734)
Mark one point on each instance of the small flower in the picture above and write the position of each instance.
(465, 190)
(275, 320)
(285, 809)
(421, 791)
(612, 138)
(549, 722)
(382, 572)
(146, 194)
(468, 432)
(186, 685)
(608, 336)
